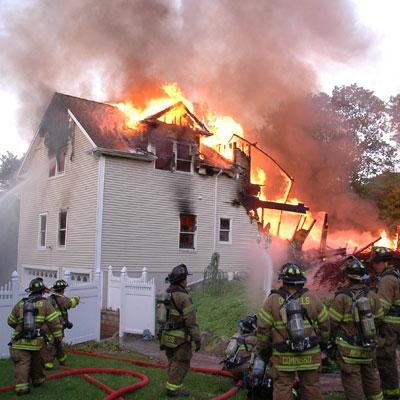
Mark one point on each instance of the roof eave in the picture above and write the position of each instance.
(123, 154)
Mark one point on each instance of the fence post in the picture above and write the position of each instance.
(144, 274)
(67, 276)
(98, 281)
(15, 287)
(109, 277)
(122, 307)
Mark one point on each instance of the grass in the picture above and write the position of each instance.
(219, 315)
(201, 386)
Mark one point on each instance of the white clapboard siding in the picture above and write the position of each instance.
(141, 218)
(75, 191)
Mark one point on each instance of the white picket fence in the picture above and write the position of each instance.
(85, 317)
(135, 298)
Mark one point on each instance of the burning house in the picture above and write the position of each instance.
(101, 190)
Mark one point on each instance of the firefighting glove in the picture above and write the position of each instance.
(77, 299)
(197, 346)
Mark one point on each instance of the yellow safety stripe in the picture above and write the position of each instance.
(171, 386)
(39, 318)
(174, 312)
(379, 314)
(335, 315)
(21, 386)
(391, 392)
(175, 333)
(314, 350)
(323, 315)
(52, 316)
(290, 368)
(397, 302)
(281, 325)
(25, 347)
(266, 317)
(391, 320)
(189, 309)
(378, 396)
(12, 318)
(385, 303)
(57, 333)
(62, 359)
(350, 360)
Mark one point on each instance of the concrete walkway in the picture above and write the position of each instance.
(329, 382)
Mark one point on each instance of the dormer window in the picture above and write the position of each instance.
(183, 157)
(57, 162)
(174, 156)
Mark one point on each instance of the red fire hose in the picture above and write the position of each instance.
(144, 380)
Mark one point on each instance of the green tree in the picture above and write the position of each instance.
(365, 117)
(9, 165)
(384, 190)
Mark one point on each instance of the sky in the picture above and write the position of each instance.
(379, 72)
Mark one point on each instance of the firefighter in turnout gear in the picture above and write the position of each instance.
(27, 318)
(242, 361)
(178, 329)
(293, 322)
(61, 303)
(355, 314)
(389, 293)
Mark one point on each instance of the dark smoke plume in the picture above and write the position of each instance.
(241, 57)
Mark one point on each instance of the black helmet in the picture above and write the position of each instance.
(380, 253)
(59, 285)
(355, 269)
(36, 286)
(292, 274)
(178, 274)
(248, 324)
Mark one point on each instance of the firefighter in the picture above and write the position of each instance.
(240, 359)
(389, 294)
(27, 318)
(54, 348)
(293, 322)
(179, 331)
(355, 314)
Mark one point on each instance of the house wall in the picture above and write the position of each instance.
(75, 191)
(141, 218)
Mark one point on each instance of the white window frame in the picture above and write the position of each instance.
(62, 247)
(230, 231)
(175, 154)
(176, 158)
(182, 249)
(40, 247)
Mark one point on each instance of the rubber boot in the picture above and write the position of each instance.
(177, 393)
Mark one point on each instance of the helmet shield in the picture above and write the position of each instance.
(355, 270)
(35, 286)
(59, 285)
(292, 274)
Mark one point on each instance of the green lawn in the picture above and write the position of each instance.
(201, 386)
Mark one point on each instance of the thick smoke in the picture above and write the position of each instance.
(241, 57)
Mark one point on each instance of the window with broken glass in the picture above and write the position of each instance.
(42, 230)
(183, 157)
(187, 232)
(225, 230)
(57, 162)
(62, 228)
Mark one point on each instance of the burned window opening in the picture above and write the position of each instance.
(57, 162)
(165, 155)
(187, 232)
(62, 228)
(183, 157)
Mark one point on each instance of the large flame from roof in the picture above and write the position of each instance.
(223, 128)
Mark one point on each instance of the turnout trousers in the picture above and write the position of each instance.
(178, 365)
(386, 358)
(360, 381)
(309, 386)
(28, 369)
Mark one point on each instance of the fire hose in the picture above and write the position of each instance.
(144, 380)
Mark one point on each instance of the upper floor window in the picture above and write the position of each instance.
(57, 162)
(187, 231)
(225, 234)
(42, 231)
(174, 156)
(62, 228)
